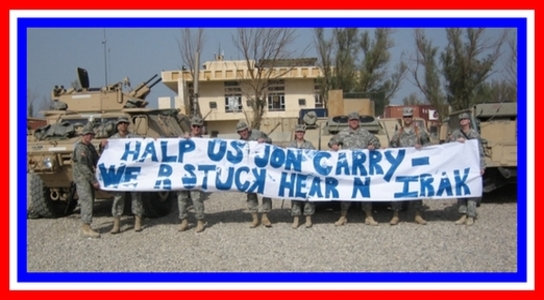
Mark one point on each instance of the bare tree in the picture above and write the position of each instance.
(35, 104)
(412, 100)
(324, 51)
(429, 83)
(263, 50)
(496, 91)
(512, 66)
(467, 62)
(188, 46)
(374, 77)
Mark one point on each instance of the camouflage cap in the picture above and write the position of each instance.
(353, 116)
(241, 126)
(300, 127)
(122, 119)
(407, 112)
(196, 121)
(464, 116)
(87, 129)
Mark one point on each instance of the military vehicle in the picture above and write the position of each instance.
(319, 131)
(52, 190)
(497, 125)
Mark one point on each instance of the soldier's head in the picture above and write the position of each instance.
(196, 125)
(122, 124)
(353, 120)
(464, 119)
(87, 133)
(300, 130)
(407, 115)
(242, 129)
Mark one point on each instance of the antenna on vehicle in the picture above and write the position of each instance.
(105, 59)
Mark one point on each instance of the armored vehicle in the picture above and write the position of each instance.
(49, 149)
(319, 131)
(497, 125)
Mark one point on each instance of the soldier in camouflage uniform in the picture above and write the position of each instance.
(354, 137)
(409, 135)
(119, 197)
(252, 201)
(184, 197)
(309, 207)
(467, 206)
(85, 159)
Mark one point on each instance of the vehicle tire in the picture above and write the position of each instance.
(157, 204)
(43, 205)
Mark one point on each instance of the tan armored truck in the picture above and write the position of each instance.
(319, 131)
(497, 125)
(49, 156)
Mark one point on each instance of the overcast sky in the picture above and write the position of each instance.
(54, 54)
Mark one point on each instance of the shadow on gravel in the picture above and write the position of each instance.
(505, 194)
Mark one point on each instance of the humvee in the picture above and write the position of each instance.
(497, 125)
(49, 149)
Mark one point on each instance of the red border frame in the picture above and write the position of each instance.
(244, 4)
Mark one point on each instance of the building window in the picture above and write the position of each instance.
(318, 101)
(302, 102)
(276, 102)
(213, 104)
(317, 95)
(233, 96)
(276, 95)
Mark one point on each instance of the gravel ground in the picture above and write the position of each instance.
(228, 244)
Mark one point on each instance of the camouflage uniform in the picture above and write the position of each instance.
(359, 138)
(85, 159)
(186, 197)
(252, 200)
(119, 198)
(404, 138)
(468, 205)
(309, 207)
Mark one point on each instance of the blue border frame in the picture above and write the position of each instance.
(518, 23)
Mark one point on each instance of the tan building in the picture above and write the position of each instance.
(223, 94)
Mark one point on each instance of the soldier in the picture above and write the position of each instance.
(252, 201)
(119, 198)
(467, 206)
(309, 207)
(184, 197)
(409, 135)
(355, 137)
(85, 159)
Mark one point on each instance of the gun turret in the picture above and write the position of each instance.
(143, 89)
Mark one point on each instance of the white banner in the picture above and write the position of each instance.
(436, 172)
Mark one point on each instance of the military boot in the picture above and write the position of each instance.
(470, 221)
(419, 219)
(116, 225)
(199, 226)
(87, 231)
(343, 218)
(308, 223)
(462, 220)
(184, 224)
(255, 221)
(295, 222)
(137, 223)
(395, 219)
(369, 220)
(265, 221)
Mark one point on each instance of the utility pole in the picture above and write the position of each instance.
(105, 59)
(195, 79)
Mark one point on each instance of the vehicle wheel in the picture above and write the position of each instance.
(157, 204)
(43, 205)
